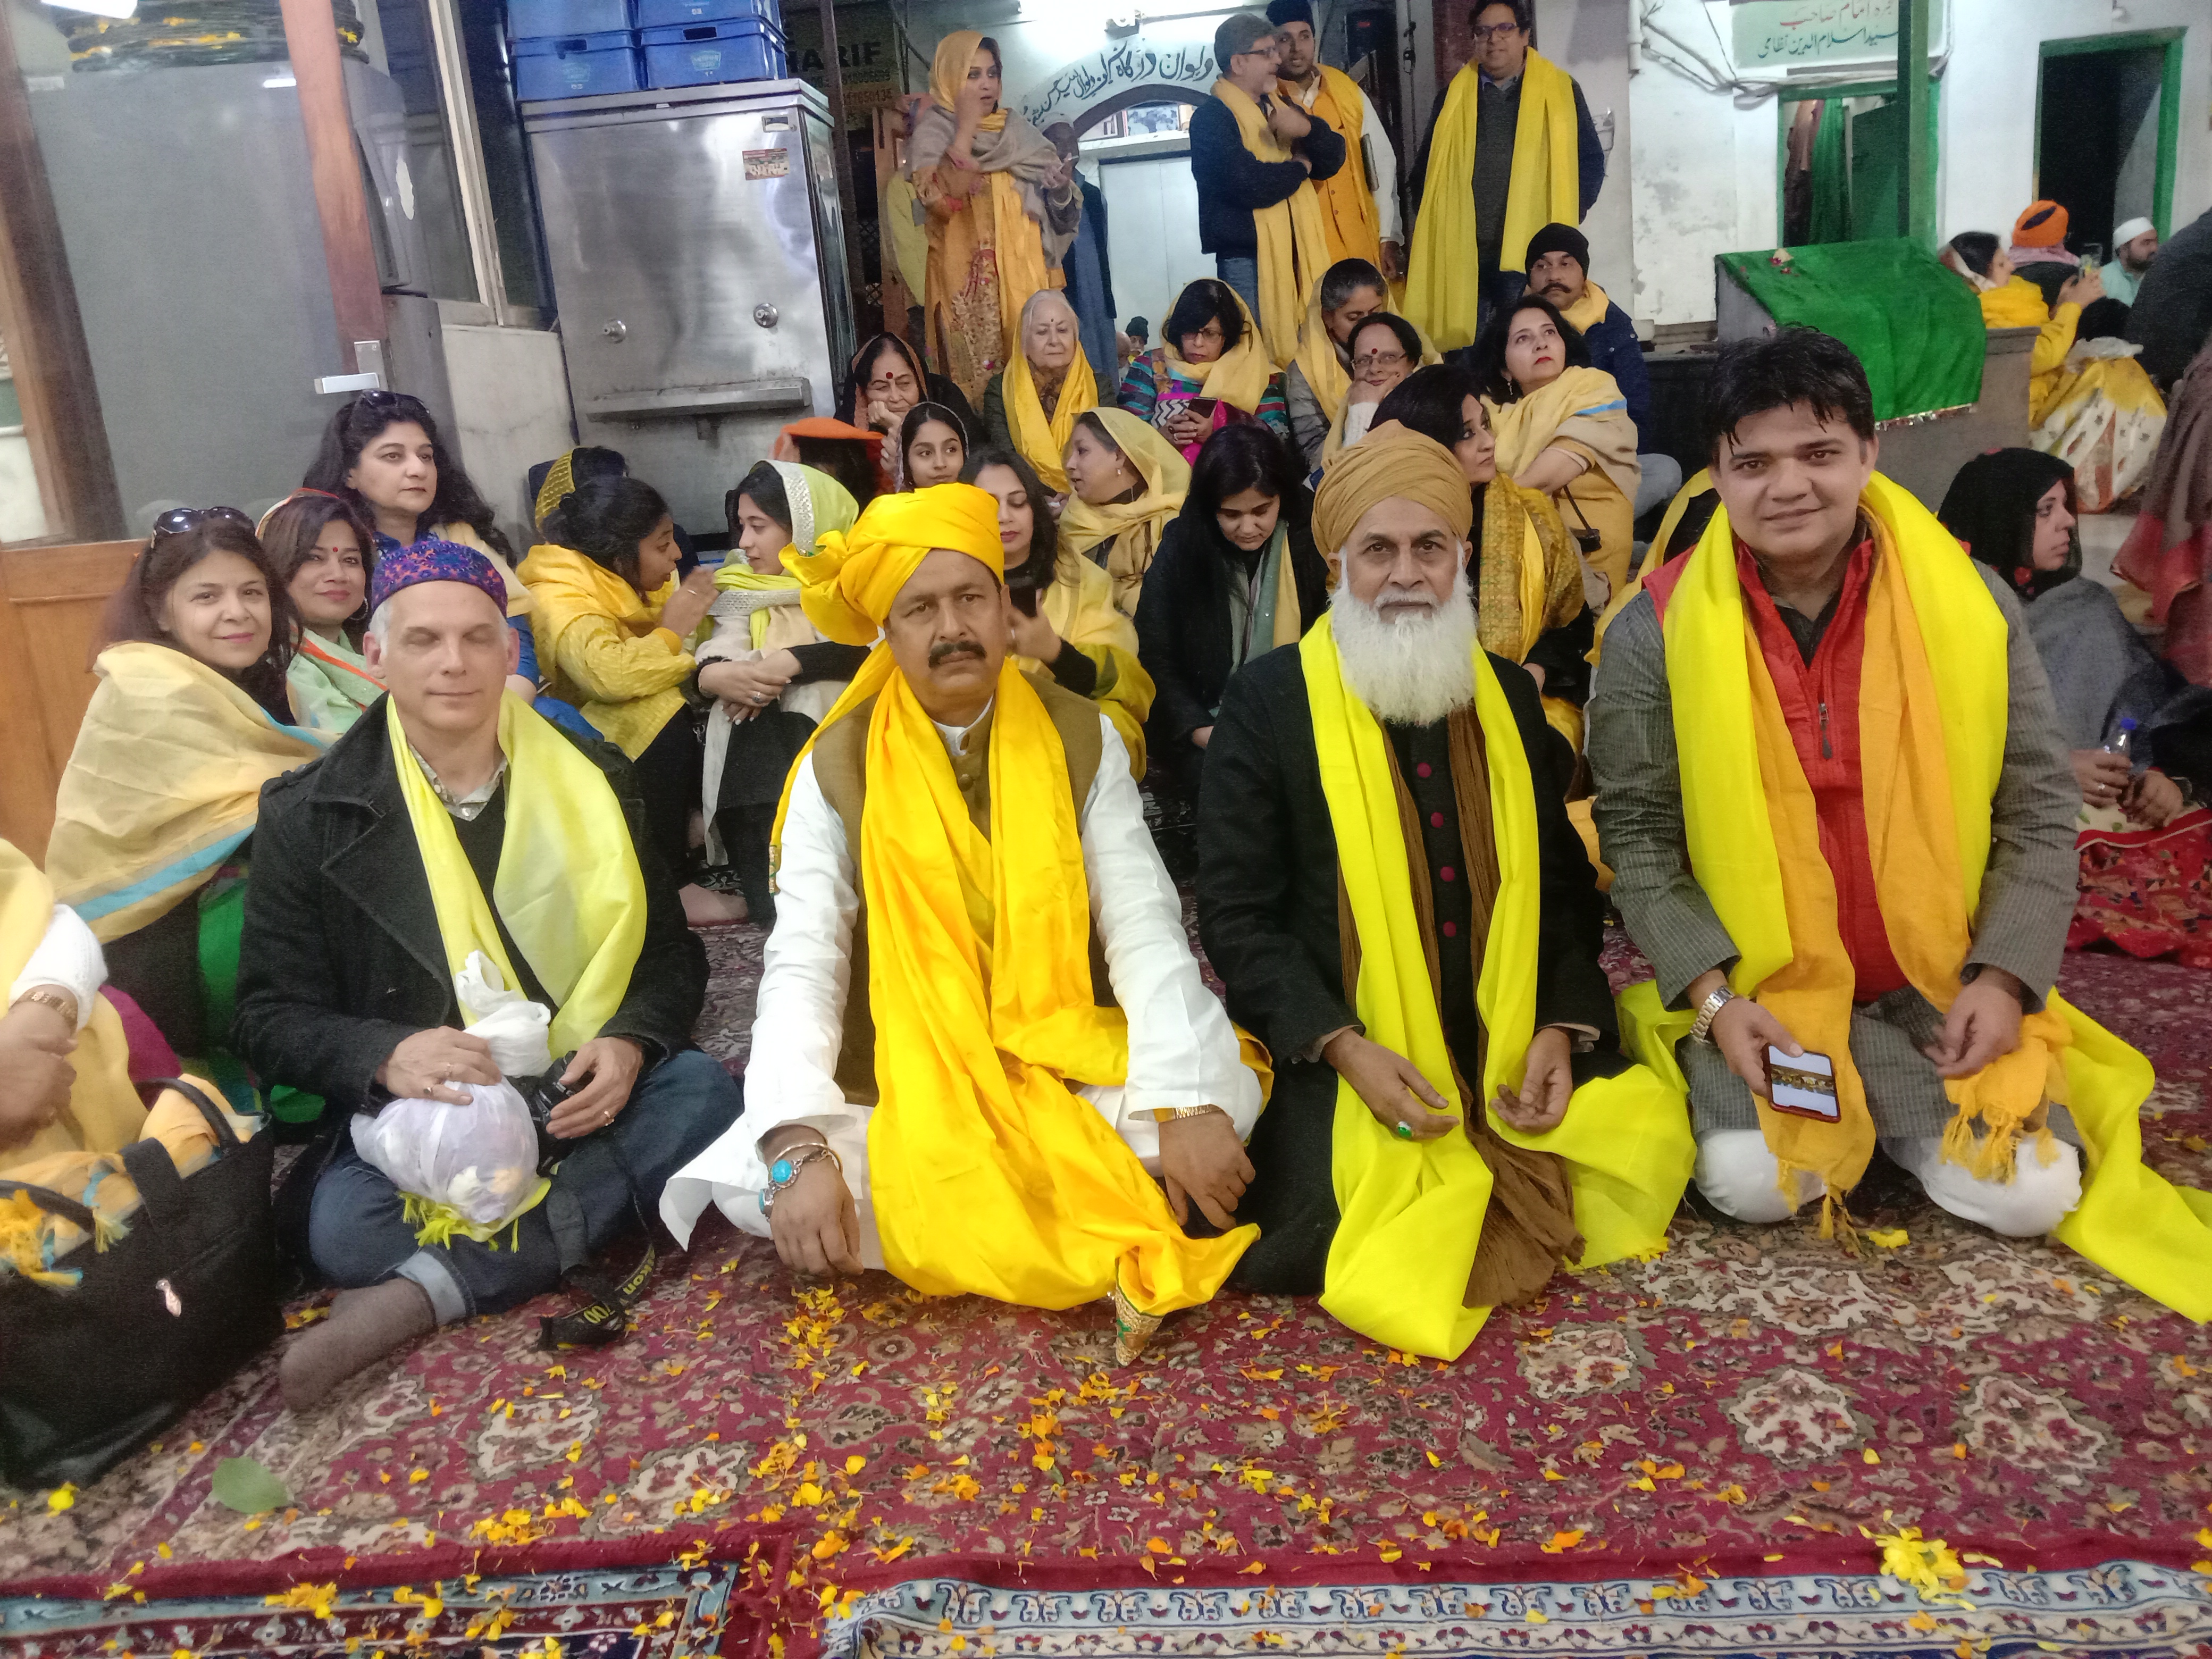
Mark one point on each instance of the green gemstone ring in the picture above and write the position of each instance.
(1403, 1131)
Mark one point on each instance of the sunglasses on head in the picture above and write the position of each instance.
(183, 520)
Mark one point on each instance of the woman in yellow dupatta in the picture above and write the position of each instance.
(1210, 352)
(1065, 622)
(771, 672)
(191, 716)
(2089, 402)
(1563, 428)
(1385, 349)
(1002, 207)
(1128, 484)
(1030, 409)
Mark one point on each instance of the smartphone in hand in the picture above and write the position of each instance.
(1803, 1085)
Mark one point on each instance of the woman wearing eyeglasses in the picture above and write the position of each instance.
(1562, 428)
(382, 452)
(1211, 370)
(1385, 349)
(191, 717)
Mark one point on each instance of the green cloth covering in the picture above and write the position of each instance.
(1832, 176)
(1916, 326)
(223, 919)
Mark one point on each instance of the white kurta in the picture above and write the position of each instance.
(1182, 1049)
(68, 957)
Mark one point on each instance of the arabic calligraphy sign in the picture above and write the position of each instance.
(1117, 69)
(1777, 36)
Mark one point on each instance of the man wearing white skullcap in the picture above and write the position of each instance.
(2135, 245)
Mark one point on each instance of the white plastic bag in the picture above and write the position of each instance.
(481, 1159)
(514, 1026)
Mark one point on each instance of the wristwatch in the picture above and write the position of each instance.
(785, 1170)
(1708, 1011)
(1170, 1114)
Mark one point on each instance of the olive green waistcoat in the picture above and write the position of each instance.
(840, 769)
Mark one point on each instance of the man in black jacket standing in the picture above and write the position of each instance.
(451, 819)
(1233, 184)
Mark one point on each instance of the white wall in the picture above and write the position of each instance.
(1151, 215)
(1703, 161)
(22, 513)
(1585, 37)
(510, 411)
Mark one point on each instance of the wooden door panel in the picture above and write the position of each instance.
(50, 601)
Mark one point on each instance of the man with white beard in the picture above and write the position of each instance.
(1390, 889)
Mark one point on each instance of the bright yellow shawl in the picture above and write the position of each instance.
(1444, 281)
(818, 504)
(1293, 242)
(1412, 1210)
(1079, 603)
(1316, 358)
(989, 1176)
(1240, 374)
(164, 784)
(577, 602)
(1136, 526)
(1043, 442)
(1933, 716)
(1348, 206)
(573, 902)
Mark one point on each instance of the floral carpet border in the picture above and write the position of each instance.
(721, 1593)
(2111, 1608)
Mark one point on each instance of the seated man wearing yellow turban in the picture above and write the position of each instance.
(1833, 791)
(980, 1027)
(1390, 889)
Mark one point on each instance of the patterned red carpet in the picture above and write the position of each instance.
(1743, 1404)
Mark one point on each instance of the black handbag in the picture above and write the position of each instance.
(161, 1317)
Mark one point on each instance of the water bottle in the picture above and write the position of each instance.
(2123, 745)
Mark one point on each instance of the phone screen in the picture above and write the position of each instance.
(1804, 1085)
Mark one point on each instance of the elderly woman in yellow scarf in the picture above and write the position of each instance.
(772, 674)
(613, 630)
(1002, 207)
(1210, 370)
(1030, 409)
(156, 808)
(1065, 623)
(2089, 402)
(1563, 430)
(1128, 484)
(1384, 350)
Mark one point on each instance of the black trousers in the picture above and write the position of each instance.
(668, 777)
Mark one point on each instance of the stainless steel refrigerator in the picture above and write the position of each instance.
(193, 243)
(698, 257)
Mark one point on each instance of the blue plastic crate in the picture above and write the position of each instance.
(534, 19)
(706, 54)
(577, 66)
(666, 14)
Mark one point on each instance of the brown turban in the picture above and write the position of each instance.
(1392, 461)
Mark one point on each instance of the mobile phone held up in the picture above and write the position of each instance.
(1803, 1085)
(1022, 589)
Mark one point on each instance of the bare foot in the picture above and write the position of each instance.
(364, 1326)
(705, 907)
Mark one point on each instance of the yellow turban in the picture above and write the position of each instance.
(1392, 462)
(851, 579)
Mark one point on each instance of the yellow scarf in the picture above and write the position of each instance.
(576, 912)
(1444, 283)
(559, 480)
(568, 590)
(163, 785)
(1514, 523)
(1239, 376)
(1293, 242)
(989, 1176)
(1587, 313)
(1412, 1210)
(1584, 405)
(103, 1113)
(818, 504)
(1933, 716)
(1043, 442)
(1136, 526)
(2016, 303)
(1017, 239)
(1348, 207)
(1316, 358)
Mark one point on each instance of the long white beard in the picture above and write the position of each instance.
(1414, 670)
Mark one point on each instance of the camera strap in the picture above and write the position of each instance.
(603, 1316)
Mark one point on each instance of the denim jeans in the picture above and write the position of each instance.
(359, 1234)
(1242, 272)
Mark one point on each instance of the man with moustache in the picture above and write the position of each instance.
(1558, 271)
(981, 1028)
(1359, 203)
(1391, 890)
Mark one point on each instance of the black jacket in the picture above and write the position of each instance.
(341, 957)
(1267, 867)
(2172, 314)
(1183, 621)
(1233, 184)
